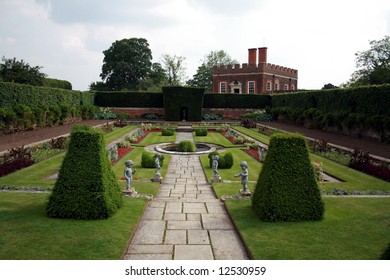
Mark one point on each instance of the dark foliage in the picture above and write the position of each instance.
(148, 160)
(225, 161)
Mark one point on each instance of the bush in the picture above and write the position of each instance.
(287, 189)
(148, 160)
(86, 187)
(186, 146)
(201, 132)
(224, 162)
(167, 132)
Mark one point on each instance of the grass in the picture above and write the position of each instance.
(353, 229)
(155, 138)
(117, 133)
(28, 234)
(214, 138)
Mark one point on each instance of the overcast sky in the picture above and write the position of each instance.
(318, 38)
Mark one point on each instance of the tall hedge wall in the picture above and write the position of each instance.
(56, 83)
(371, 100)
(228, 100)
(86, 187)
(12, 94)
(129, 99)
(177, 98)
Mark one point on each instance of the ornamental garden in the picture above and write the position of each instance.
(63, 199)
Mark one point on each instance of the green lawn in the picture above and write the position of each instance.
(353, 229)
(215, 138)
(28, 234)
(155, 138)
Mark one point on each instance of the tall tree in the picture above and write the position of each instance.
(373, 64)
(126, 63)
(174, 69)
(15, 71)
(204, 77)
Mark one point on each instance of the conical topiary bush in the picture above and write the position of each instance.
(86, 187)
(287, 189)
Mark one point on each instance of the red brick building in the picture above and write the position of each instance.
(255, 77)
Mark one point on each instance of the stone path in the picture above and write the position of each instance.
(185, 221)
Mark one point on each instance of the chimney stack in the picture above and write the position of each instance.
(262, 55)
(252, 55)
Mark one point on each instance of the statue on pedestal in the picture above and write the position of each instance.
(216, 177)
(244, 177)
(129, 175)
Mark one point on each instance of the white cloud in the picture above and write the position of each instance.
(319, 38)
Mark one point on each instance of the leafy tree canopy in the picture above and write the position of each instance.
(204, 76)
(373, 64)
(15, 71)
(126, 63)
(174, 69)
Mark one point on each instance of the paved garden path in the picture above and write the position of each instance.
(185, 221)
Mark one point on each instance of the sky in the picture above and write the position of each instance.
(318, 38)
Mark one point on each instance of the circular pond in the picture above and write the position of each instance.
(171, 148)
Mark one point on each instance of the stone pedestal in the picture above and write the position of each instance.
(157, 177)
(131, 192)
(245, 193)
(216, 179)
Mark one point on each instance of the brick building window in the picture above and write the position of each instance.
(276, 87)
(251, 87)
(286, 87)
(222, 87)
(269, 86)
(292, 87)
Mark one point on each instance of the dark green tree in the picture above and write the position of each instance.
(126, 63)
(329, 86)
(156, 79)
(373, 64)
(204, 77)
(15, 71)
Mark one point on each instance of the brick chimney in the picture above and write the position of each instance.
(262, 55)
(252, 55)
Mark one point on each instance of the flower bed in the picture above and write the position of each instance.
(252, 152)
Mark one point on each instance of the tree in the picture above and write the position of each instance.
(126, 63)
(156, 79)
(329, 86)
(204, 76)
(373, 64)
(174, 69)
(14, 71)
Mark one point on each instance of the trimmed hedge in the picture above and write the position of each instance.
(86, 187)
(228, 100)
(129, 99)
(287, 189)
(201, 132)
(177, 99)
(225, 161)
(12, 94)
(186, 146)
(167, 132)
(386, 253)
(55, 83)
(148, 160)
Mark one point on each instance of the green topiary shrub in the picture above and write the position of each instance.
(167, 132)
(148, 160)
(86, 187)
(186, 146)
(287, 189)
(225, 161)
(201, 132)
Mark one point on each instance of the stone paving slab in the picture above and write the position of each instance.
(185, 221)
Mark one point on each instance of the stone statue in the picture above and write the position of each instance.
(244, 176)
(157, 174)
(214, 165)
(129, 173)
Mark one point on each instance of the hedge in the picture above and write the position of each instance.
(201, 132)
(129, 99)
(148, 160)
(225, 161)
(287, 189)
(86, 187)
(186, 146)
(228, 100)
(55, 83)
(12, 94)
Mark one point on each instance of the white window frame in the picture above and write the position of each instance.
(221, 85)
(251, 87)
(269, 86)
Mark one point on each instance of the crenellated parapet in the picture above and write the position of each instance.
(261, 68)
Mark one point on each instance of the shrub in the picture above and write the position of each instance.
(167, 132)
(148, 160)
(224, 162)
(201, 132)
(287, 189)
(186, 146)
(86, 187)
